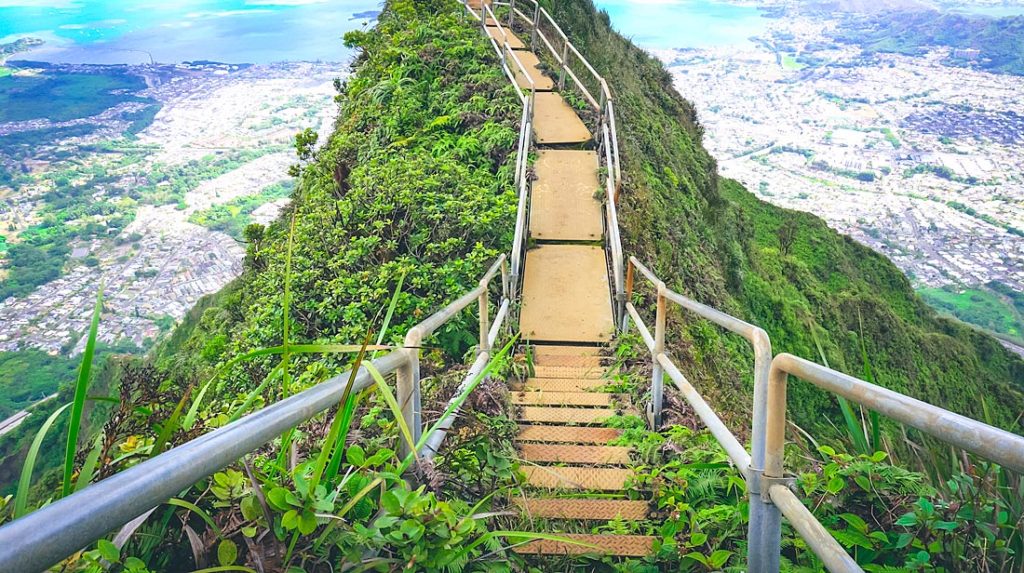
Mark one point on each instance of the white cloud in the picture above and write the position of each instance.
(39, 4)
(283, 2)
(223, 13)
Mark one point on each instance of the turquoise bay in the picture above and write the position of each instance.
(133, 31)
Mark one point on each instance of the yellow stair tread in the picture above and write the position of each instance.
(570, 361)
(546, 350)
(566, 296)
(555, 121)
(544, 398)
(586, 509)
(562, 205)
(532, 65)
(580, 478)
(566, 434)
(513, 41)
(617, 545)
(575, 454)
(586, 371)
(564, 415)
(562, 384)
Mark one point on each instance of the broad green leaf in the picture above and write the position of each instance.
(25, 481)
(108, 551)
(227, 552)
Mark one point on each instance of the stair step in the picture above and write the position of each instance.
(574, 454)
(532, 65)
(571, 477)
(566, 434)
(544, 398)
(562, 384)
(616, 545)
(591, 372)
(571, 361)
(566, 297)
(556, 122)
(562, 205)
(545, 350)
(513, 41)
(565, 415)
(586, 509)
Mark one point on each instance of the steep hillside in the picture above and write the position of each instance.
(785, 271)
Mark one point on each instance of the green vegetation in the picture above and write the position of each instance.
(4, 71)
(29, 376)
(789, 62)
(60, 96)
(980, 307)
(233, 217)
(988, 43)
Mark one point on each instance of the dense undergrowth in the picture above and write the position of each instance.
(785, 271)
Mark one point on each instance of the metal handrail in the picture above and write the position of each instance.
(764, 528)
(42, 538)
(46, 536)
(771, 497)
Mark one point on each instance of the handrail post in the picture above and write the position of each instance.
(504, 279)
(409, 389)
(484, 319)
(565, 64)
(764, 532)
(536, 27)
(628, 295)
(657, 374)
(511, 13)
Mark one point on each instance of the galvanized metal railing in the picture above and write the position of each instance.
(544, 31)
(45, 537)
(764, 527)
(771, 496)
(523, 185)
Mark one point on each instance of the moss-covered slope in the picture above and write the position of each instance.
(783, 270)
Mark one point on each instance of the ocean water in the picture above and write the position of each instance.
(663, 24)
(172, 31)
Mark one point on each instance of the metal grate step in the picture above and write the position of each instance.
(563, 384)
(617, 545)
(545, 398)
(589, 372)
(587, 509)
(565, 415)
(557, 477)
(574, 454)
(566, 434)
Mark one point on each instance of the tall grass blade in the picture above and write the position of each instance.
(25, 482)
(251, 396)
(286, 304)
(396, 410)
(193, 411)
(170, 426)
(391, 311)
(853, 428)
(198, 511)
(870, 377)
(91, 461)
(335, 430)
(81, 391)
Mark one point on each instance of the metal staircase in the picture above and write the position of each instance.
(574, 288)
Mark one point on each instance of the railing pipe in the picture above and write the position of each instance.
(434, 440)
(737, 453)
(499, 319)
(640, 326)
(485, 327)
(831, 553)
(657, 375)
(999, 446)
(48, 535)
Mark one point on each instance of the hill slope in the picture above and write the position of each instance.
(783, 270)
